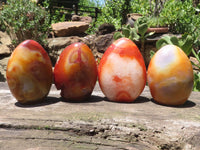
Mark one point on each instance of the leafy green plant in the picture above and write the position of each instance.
(197, 56)
(156, 7)
(88, 3)
(57, 15)
(140, 6)
(152, 53)
(157, 22)
(127, 32)
(182, 17)
(114, 12)
(196, 86)
(139, 32)
(23, 20)
(184, 43)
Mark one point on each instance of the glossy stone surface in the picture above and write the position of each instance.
(122, 72)
(29, 72)
(170, 76)
(75, 72)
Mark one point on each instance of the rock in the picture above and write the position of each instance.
(90, 41)
(5, 41)
(86, 19)
(97, 44)
(75, 18)
(102, 42)
(62, 42)
(130, 22)
(57, 45)
(134, 16)
(4, 50)
(193, 141)
(3, 66)
(131, 18)
(5, 38)
(105, 28)
(63, 29)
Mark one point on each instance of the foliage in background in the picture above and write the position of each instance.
(157, 22)
(140, 6)
(156, 7)
(138, 32)
(23, 20)
(182, 17)
(57, 16)
(196, 86)
(109, 14)
(114, 12)
(89, 3)
(185, 43)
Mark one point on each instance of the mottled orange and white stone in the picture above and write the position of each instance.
(122, 72)
(170, 76)
(29, 72)
(75, 72)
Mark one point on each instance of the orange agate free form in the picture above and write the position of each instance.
(29, 72)
(75, 72)
(122, 71)
(170, 76)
